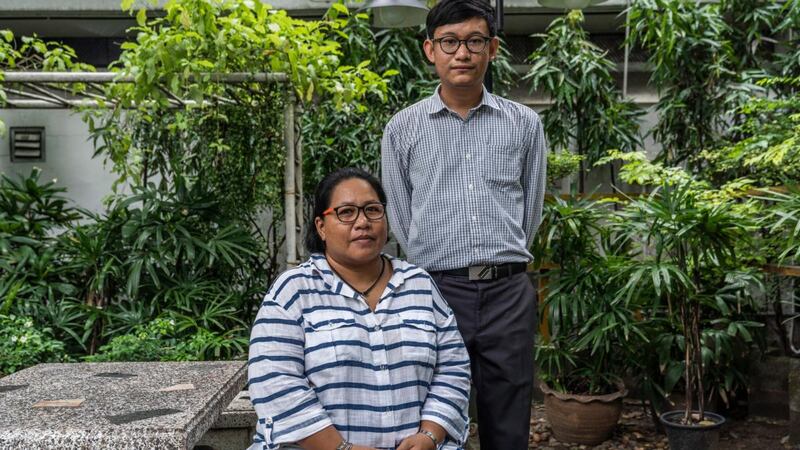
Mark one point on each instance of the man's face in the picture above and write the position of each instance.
(462, 69)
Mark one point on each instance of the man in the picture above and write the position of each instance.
(464, 171)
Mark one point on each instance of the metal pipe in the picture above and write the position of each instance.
(289, 182)
(116, 77)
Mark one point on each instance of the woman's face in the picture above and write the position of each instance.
(357, 243)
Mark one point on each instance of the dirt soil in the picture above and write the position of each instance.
(637, 432)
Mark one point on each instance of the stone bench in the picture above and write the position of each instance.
(235, 427)
(102, 406)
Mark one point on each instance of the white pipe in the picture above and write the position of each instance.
(298, 157)
(289, 182)
(627, 50)
(117, 77)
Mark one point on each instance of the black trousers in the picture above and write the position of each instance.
(497, 320)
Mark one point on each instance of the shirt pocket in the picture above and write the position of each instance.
(501, 164)
(335, 340)
(418, 336)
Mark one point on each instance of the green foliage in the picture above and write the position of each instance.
(782, 221)
(764, 146)
(159, 252)
(33, 279)
(160, 340)
(593, 334)
(789, 61)
(752, 28)
(333, 137)
(587, 107)
(562, 164)
(211, 141)
(152, 253)
(693, 70)
(197, 36)
(22, 344)
(33, 53)
(694, 266)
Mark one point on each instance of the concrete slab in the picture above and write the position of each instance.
(124, 404)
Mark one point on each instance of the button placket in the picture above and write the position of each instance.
(380, 361)
(472, 197)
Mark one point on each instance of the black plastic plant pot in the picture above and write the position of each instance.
(691, 437)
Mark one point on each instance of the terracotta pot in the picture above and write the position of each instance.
(582, 419)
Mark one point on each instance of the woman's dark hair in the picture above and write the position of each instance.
(322, 200)
(447, 12)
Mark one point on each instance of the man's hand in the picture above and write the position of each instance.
(417, 442)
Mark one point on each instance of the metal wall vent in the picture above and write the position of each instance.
(27, 144)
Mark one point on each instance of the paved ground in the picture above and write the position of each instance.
(637, 432)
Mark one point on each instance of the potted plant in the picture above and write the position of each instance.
(589, 333)
(693, 269)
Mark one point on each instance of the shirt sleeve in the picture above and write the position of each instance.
(286, 405)
(534, 180)
(448, 398)
(397, 185)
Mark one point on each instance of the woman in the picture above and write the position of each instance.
(354, 349)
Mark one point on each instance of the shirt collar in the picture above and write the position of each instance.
(401, 271)
(435, 103)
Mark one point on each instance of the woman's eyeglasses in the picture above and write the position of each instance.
(475, 44)
(349, 213)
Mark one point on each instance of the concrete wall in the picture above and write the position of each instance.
(68, 155)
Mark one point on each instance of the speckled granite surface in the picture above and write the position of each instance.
(239, 414)
(124, 404)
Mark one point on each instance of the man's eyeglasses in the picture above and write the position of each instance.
(349, 213)
(450, 45)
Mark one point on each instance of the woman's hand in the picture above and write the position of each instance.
(417, 442)
(361, 447)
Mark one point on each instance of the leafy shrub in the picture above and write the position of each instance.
(160, 340)
(23, 345)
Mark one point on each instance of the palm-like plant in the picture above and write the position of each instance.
(592, 332)
(783, 221)
(692, 267)
(587, 108)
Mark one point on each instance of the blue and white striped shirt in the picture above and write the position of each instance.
(320, 356)
(464, 192)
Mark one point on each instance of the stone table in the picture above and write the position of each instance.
(147, 405)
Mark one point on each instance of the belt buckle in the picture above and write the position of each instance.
(477, 273)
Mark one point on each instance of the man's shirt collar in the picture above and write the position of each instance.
(436, 104)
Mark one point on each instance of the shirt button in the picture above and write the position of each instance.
(384, 367)
(376, 328)
(474, 218)
(470, 186)
(469, 156)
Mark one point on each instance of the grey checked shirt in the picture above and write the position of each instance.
(464, 192)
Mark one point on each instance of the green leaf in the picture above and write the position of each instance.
(141, 17)
(340, 8)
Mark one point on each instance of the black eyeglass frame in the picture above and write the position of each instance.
(359, 210)
(486, 40)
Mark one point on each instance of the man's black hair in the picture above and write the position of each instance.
(322, 200)
(447, 12)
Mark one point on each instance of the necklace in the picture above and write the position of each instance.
(371, 286)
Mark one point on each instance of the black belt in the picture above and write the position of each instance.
(487, 272)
